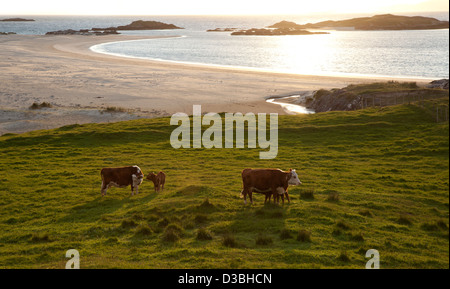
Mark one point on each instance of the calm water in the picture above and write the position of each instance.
(423, 53)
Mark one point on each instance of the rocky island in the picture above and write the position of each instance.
(142, 25)
(377, 22)
(16, 20)
(222, 30)
(275, 32)
(136, 25)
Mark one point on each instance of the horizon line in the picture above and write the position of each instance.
(262, 14)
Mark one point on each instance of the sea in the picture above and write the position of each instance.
(422, 54)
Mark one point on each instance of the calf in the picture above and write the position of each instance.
(158, 180)
(268, 182)
(121, 178)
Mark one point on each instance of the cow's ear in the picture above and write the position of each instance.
(290, 170)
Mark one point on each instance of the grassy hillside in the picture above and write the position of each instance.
(374, 178)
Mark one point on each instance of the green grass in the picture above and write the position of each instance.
(389, 168)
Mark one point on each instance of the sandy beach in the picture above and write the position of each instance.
(80, 84)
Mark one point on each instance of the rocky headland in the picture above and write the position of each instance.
(355, 97)
(377, 22)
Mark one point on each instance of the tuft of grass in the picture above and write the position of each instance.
(304, 236)
(163, 223)
(206, 205)
(114, 109)
(203, 235)
(333, 196)
(342, 225)
(200, 219)
(435, 226)
(365, 213)
(143, 230)
(40, 238)
(442, 224)
(404, 220)
(170, 236)
(285, 234)
(44, 104)
(127, 224)
(229, 241)
(358, 237)
(172, 233)
(336, 232)
(307, 194)
(343, 257)
(263, 240)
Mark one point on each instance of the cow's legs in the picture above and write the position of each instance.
(244, 195)
(132, 190)
(287, 196)
(104, 188)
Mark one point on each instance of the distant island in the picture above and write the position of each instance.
(142, 25)
(275, 32)
(16, 20)
(135, 25)
(377, 22)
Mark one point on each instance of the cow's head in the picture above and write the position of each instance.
(293, 178)
(151, 177)
(138, 175)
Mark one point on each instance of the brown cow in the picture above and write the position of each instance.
(268, 182)
(122, 178)
(158, 180)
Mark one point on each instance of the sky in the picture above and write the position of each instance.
(216, 7)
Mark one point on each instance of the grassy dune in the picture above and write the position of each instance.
(374, 178)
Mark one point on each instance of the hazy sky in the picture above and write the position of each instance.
(221, 7)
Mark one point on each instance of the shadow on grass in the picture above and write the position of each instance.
(93, 211)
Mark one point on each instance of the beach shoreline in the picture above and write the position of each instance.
(65, 72)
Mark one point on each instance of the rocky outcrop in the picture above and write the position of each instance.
(354, 97)
(442, 83)
(222, 30)
(82, 32)
(8, 33)
(16, 20)
(275, 32)
(377, 22)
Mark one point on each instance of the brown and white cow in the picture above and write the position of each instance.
(158, 180)
(268, 182)
(122, 178)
